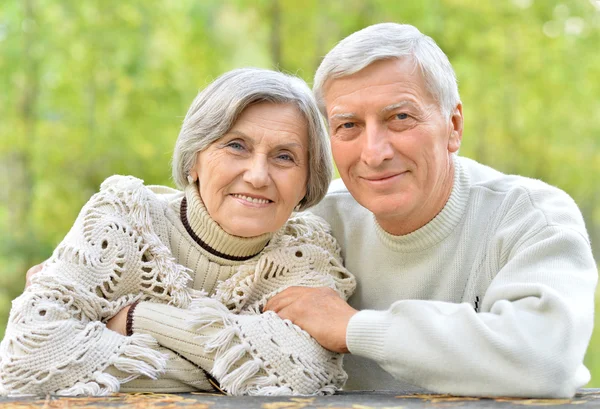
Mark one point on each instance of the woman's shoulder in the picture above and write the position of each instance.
(134, 189)
(121, 195)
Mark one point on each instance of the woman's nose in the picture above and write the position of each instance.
(257, 172)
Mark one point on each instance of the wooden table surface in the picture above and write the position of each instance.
(586, 398)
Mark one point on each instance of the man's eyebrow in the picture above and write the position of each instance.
(393, 107)
(341, 117)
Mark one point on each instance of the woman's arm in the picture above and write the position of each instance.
(249, 352)
(55, 340)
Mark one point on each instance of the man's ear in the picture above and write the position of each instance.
(455, 138)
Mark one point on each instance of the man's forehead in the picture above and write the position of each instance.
(390, 84)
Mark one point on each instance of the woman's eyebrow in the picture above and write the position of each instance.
(290, 145)
(239, 133)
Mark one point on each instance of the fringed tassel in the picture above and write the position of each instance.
(236, 382)
(268, 386)
(208, 311)
(102, 384)
(222, 340)
(226, 360)
(138, 357)
(271, 391)
(329, 389)
(227, 352)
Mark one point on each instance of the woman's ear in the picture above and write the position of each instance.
(192, 176)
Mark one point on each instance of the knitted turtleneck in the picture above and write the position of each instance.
(439, 227)
(210, 236)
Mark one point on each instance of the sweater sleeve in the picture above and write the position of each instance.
(47, 348)
(249, 352)
(528, 339)
(179, 375)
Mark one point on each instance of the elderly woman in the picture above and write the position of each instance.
(156, 289)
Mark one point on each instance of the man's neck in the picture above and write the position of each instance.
(403, 225)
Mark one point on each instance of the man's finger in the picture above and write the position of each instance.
(280, 301)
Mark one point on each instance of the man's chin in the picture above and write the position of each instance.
(386, 206)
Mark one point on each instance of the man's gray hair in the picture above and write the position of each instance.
(387, 41)
(216, 108)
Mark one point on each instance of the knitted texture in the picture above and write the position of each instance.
(493, 297)
(274, 356)
(55, 341)
(120, 251)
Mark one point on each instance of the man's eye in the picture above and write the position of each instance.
(348, 125)
(402, 116)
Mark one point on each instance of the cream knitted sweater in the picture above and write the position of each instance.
(129, 244)
(494, 296)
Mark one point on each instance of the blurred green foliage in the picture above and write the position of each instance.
(99, 87)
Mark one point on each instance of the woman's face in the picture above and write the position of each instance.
(252, 178)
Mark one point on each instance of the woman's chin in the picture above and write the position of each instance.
(247, 231)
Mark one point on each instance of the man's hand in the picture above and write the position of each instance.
(319, 311)
(118, 323)
(33, 270)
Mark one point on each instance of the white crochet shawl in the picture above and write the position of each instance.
(56, 340)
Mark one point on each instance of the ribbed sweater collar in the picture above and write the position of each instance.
(441, 225)
(210, 236)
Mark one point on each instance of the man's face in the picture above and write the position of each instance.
(391, 144)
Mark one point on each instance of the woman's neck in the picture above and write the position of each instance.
(210, 236)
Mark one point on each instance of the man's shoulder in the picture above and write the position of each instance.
(520, 192)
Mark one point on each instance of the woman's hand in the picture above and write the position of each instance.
(118, 323)
(33, 270)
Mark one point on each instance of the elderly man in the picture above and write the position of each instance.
(471, 281)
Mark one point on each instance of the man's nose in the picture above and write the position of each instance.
(376, 148)
(257, 172)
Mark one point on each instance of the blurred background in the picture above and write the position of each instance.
(100, 87)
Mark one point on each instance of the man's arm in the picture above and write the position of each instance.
(528, 339)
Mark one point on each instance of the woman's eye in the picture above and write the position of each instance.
(235, 145)
(402, 116)
(286, 157)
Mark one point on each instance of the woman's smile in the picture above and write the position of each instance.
(253, 201)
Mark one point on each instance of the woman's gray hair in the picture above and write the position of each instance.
(388, 41)
(216, 108)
